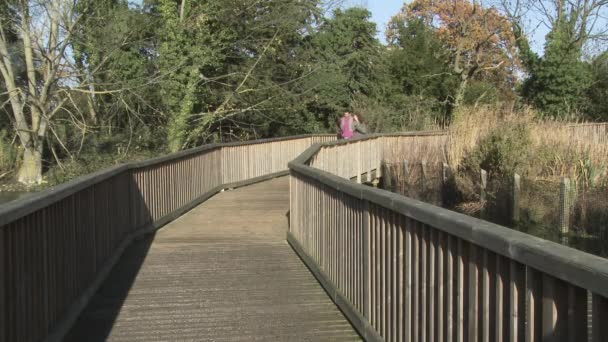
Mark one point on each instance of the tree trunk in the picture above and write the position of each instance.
(30, 172)
(462, 87)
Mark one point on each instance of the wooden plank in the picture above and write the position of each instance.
(394, 278)
(409, 291)
(401, 278)
(432, 288)
(373, 269)
(599, 318)
(516, 310)
(424, 243)
(460, 274)
(473, 296)
(416, 282)
(184, 259)
(554, 310)
(577, 314)
(501, 280)
(3, 270)
(450, 314)
(382, 268)
(533, 305)
(485, 290)
(441, 256)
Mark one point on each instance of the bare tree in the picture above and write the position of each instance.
(39, 72)
(585, 20)
(44, 29)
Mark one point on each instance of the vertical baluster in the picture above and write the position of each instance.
(3, 291)
(533, 305)
(394, 277)
(373, 267)
(424, 247)
(516, 317)
(432, 276)
(459, 293)
(378, 271)
(555, 295)
(383, 256)
(599, 318)
(473, 288)
(450, 290)
(415, 282)
(499, 306)
(577, 314)
(400, 277)
(409, 292)
(485, 298)
(440, 286)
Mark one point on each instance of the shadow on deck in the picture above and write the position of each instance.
(221, 272)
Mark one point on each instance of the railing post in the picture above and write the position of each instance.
(423, 180)
(366, 262)
(483, 185)
(599, 318)
(445, 176)
(482, 190)
(515, 198)
(388, 184)
(406, 176)
(359, 162)
(564, 208)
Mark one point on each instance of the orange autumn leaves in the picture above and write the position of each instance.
(479, 41)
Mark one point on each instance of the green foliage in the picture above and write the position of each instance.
(559, 80)
(166, 75)
(8, 153)
(417, 60)
(502, 153)
(418, 65)
(348, 58)
(482, 93)
(114, 51)
(402, 113)
(598, 92)
(226, 80)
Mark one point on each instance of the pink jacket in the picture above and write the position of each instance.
(346, 126)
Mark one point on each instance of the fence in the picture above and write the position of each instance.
(566, 211)
(403, 270)
(57, 246)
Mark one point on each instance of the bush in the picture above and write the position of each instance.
(8, 154)
(502, 153)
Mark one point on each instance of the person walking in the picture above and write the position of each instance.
(360, 129)
(347, 126)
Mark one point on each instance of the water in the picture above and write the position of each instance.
(8, 196)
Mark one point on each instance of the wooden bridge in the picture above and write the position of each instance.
(87, 261)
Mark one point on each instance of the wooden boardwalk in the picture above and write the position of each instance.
(222, 272)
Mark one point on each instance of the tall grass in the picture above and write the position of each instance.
(8, 154)
(557, 149)
(511, 141)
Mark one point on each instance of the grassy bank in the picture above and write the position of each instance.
(505, 143)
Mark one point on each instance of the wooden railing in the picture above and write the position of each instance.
(403, 270)
(57, 246)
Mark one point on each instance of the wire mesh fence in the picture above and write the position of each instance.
(419, 180)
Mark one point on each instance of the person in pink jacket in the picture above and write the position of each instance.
(347, 125)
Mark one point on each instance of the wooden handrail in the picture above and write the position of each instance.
(404, 270)
(57, 246)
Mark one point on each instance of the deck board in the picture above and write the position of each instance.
(222, 272)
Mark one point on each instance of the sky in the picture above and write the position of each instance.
(382, 11)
